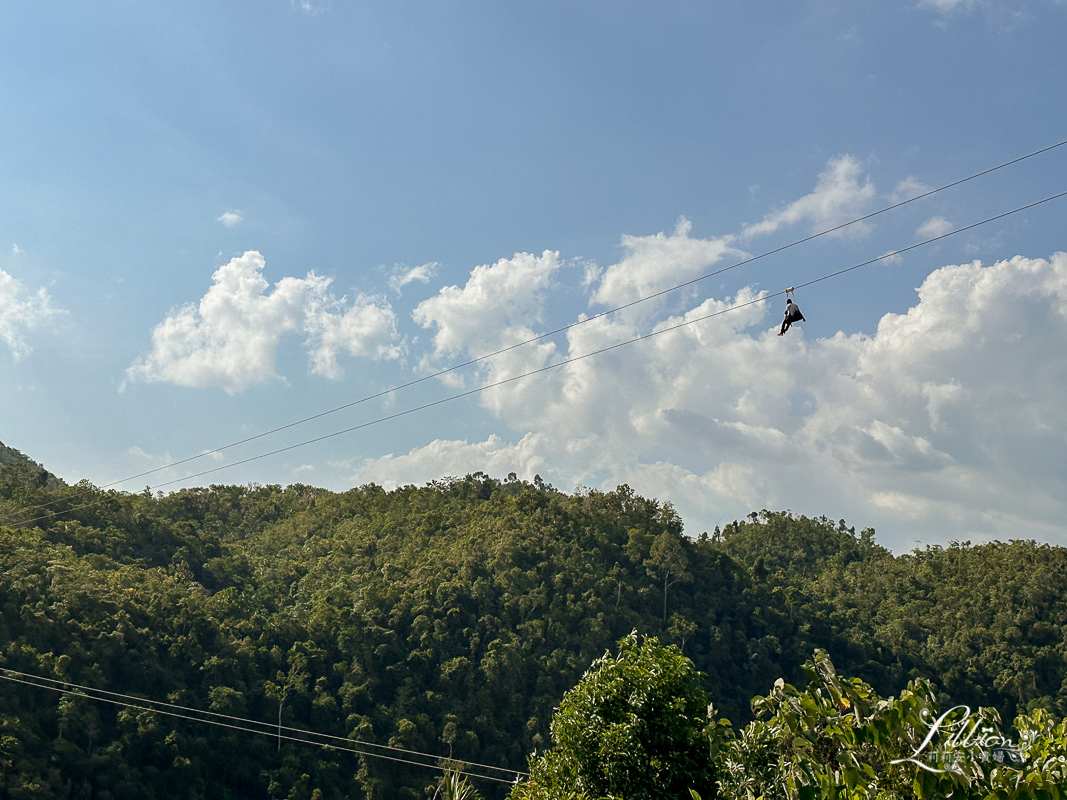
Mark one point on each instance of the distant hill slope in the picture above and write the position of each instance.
(10, 457)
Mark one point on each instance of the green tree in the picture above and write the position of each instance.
(636, 726)
(668, 562)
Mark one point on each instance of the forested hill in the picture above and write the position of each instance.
(450, 619)
(9, 457)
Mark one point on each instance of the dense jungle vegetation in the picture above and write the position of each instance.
(451, 619)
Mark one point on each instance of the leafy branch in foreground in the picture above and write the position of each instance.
(838, 739)
(454, 786)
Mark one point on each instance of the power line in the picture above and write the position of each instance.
(271, 725)
(266, 728)
(574, 359)
(567, 327)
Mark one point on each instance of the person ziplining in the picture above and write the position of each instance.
(792, 312)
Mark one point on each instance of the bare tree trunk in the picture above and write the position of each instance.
(665, 585)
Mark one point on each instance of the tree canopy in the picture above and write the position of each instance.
(635, 726)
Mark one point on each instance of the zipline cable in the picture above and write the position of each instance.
(567, 327)
(273, 730)
(762, 298)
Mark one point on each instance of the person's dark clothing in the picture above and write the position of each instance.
(792, 314)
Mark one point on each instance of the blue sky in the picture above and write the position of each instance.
(216, 219)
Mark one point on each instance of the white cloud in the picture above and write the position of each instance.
(947, 422)
(365, 329)
(21, 310)
(450, 457)
(934, 227)
(513, 363)
(402, 275)
(591, 273)
(496, 299)
(230, 338)
(655, 263)
(230, 218)
(839, 196)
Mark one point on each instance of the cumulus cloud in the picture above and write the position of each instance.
(21, 310)
(654, 263)
(230, 338)
(946, 422)
(840, 195)
(230, 218)
(496, 300)
(934, 227)
(366, 329)
(402, 275)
